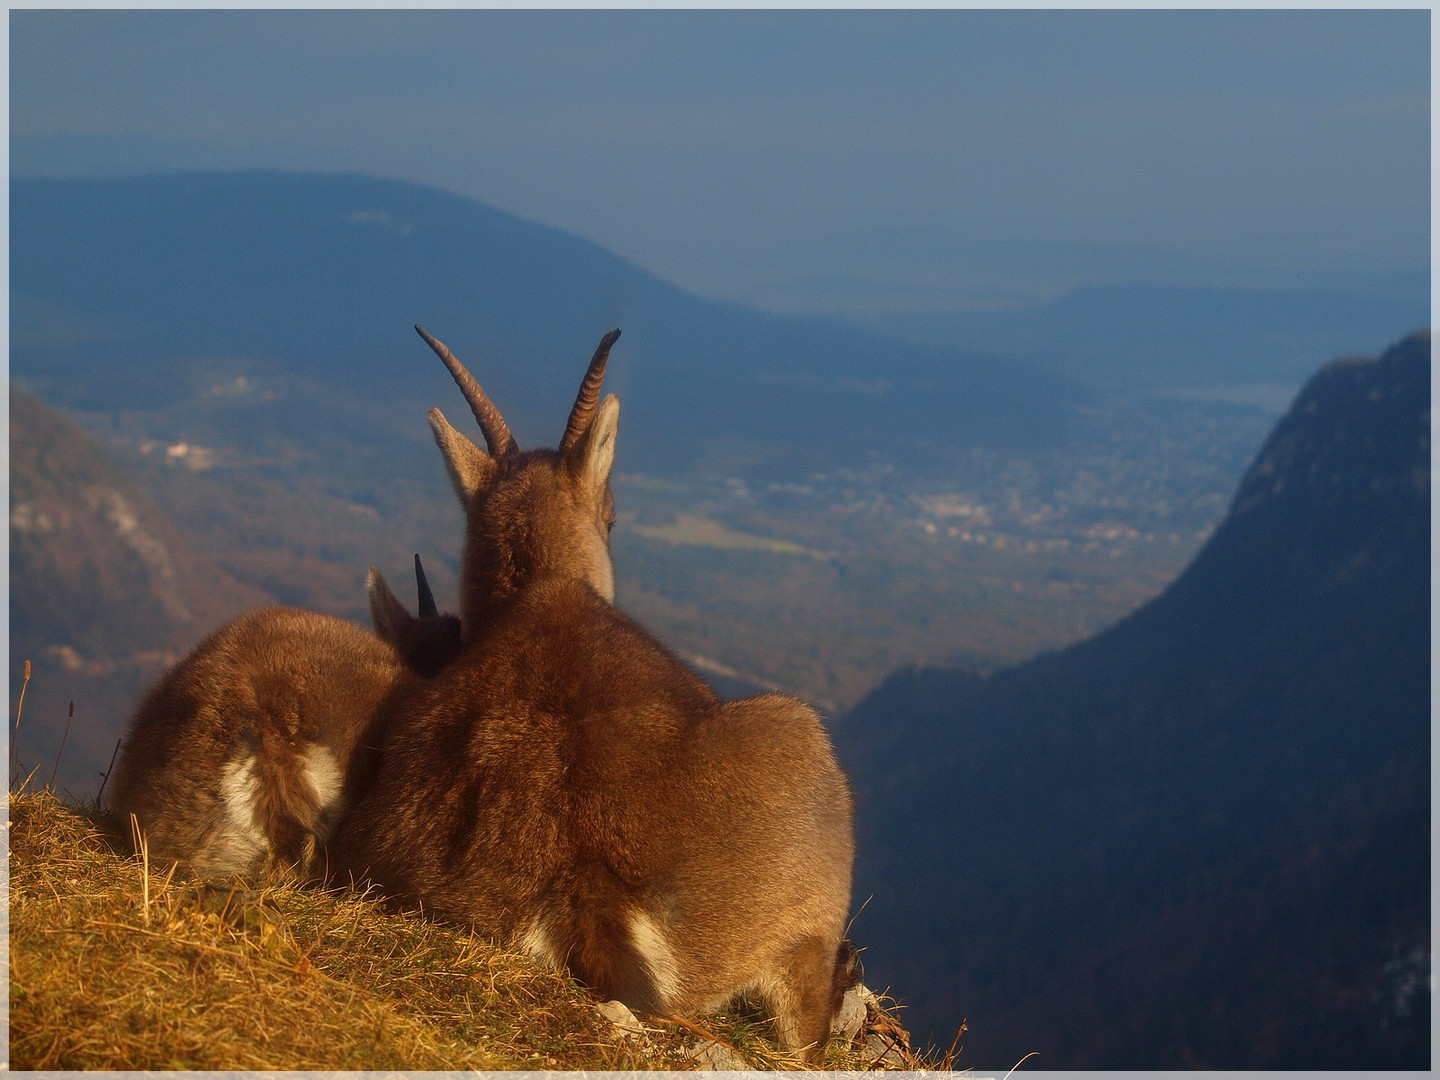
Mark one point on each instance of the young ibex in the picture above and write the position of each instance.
(425, 644)
(245, 754)
(570, 787)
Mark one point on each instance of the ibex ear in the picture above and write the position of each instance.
(594, 455)
(470, 468)
(387, 615)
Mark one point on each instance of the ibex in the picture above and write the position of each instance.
(425, 644)
(243, 757)
(568, 786)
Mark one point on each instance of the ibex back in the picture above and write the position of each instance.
(245, 754)
(569, 786)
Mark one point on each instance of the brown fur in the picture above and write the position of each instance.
(568, 785)
(245, 755)
(425, 644)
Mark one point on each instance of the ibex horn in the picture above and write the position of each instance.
(585, 402)
(492, 424)
(427, 598)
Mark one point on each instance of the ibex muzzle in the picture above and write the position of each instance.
(569, 786)
(246, 753)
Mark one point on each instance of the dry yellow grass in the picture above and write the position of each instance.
(115, 965)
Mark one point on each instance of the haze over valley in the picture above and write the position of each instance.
(802, 505)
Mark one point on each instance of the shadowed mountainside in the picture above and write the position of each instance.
(103, 590)
(1201, 838)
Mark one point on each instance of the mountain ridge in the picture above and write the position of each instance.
(326, 273)
(1274, 696)
(1182, 337)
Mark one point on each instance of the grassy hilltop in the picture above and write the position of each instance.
(116, 964)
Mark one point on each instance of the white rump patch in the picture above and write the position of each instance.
(239, 790)
(659, 960)
(536, 941)
(326, 779)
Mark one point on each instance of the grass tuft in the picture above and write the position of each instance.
(119, 964)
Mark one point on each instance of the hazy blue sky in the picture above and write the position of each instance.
(798, 159)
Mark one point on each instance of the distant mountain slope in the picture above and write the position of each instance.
(114, 281)
(1201, 838)
(103, 590)
(1169, 336)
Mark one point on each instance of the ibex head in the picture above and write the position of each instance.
(537, 513)
(426, 644)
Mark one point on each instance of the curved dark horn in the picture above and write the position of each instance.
(492, 424)
(583, 411)
(427, 598)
